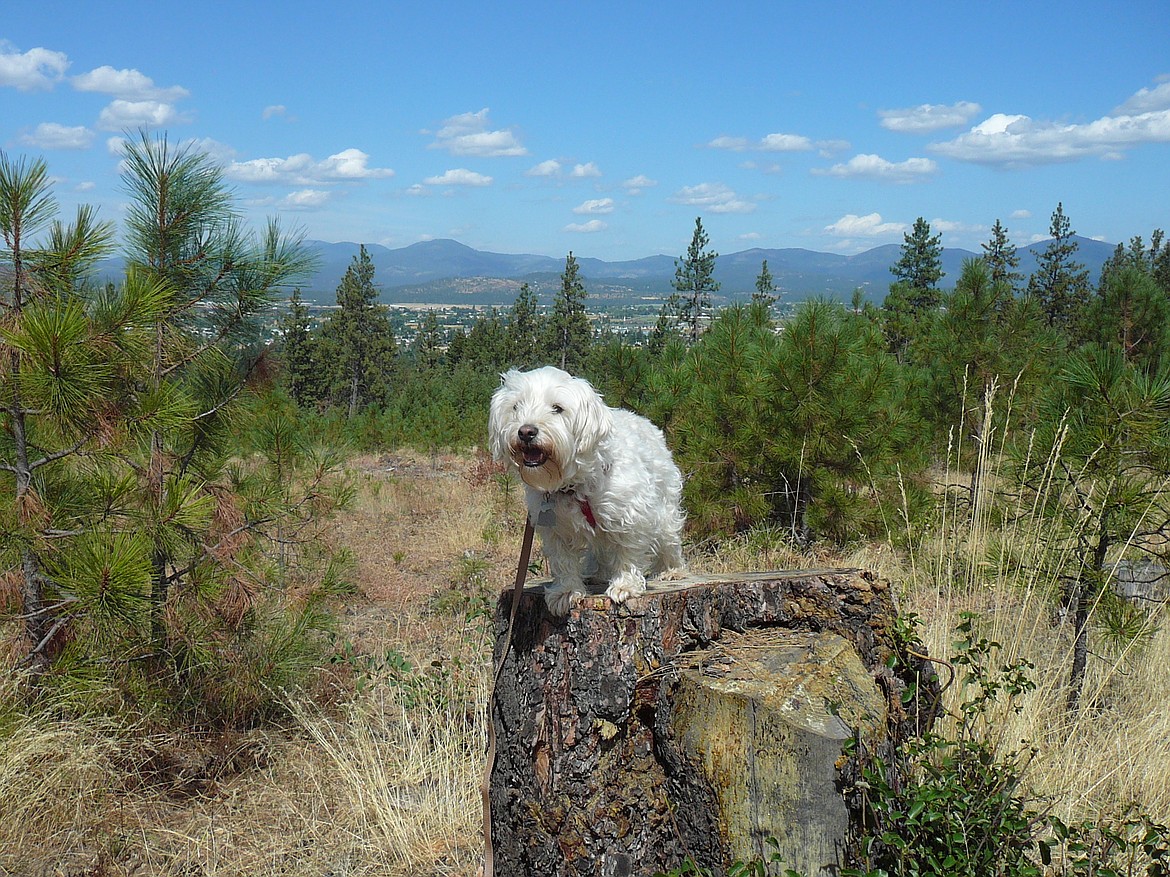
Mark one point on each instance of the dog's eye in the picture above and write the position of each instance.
(557, 409)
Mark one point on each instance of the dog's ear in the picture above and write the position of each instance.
(502, 401)
(592, 419)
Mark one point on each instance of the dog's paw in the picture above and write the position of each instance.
(674, 574)
(625, 586)
(559, 603)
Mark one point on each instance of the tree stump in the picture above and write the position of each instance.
(697, 720)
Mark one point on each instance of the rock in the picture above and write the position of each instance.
(696, 720)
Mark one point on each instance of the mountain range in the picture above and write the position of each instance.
(448, 272)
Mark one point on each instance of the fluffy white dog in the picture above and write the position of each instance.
(600, 484)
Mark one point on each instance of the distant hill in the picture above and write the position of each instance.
(448, 272)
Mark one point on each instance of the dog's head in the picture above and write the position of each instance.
(546, 422)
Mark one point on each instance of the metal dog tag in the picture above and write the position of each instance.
(547, 515)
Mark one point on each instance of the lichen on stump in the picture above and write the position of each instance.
(696, 720)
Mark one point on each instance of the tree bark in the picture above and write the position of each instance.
(632, 737)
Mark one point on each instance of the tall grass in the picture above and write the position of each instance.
(994, 552)
(410, 771)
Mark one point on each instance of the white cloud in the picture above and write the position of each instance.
(952, 226)
(751, 236)
(468, 134)
(925, 118)
(636, 185)
(735, 144)
(274, 111)
(768, 143)
(300, 169)
(35, 70)
(351, 164)
(127, 84)
(459, 177)
(1017, 140)
(589, 169)
(50, 135)
(785, 143)
(595, 207)
(1020, 214)
(1146, 100)
(868, 226)
(417, 190)
(85, 186)
(593, 225)
(712, 197)
(295, 168)
(874, 167)
(550, 168)
(122, 114)
(306, 199)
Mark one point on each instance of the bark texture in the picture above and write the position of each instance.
(695, 721)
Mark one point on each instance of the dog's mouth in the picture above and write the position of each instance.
(533, 457)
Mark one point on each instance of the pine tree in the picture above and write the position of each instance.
(297, 343)
(428, 344)
(765, 293)
(569, 332)
(694, 281)
(1106, 426)
(183, 233)
(359, 338)
(63, 354)
(1131, 311)
(1000, 255)
(919, 268)
(1060, 283)
(147, 521)
(524, 329)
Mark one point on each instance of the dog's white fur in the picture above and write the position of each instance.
(573, 453)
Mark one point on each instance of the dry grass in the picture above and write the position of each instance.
(385, 780)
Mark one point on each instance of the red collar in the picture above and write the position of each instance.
(586, 509)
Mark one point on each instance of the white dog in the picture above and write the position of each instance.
(600, 484)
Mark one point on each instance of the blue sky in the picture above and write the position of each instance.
(606, 128)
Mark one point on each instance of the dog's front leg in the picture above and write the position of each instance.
(564, 562)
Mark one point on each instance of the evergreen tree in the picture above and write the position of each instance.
(1000, 255)
(765, 292)
(183, 233)
(358, 339)
(1133, 312)
(1105, 430)
(524, 329)
(428, 344)
(300, 369)
(569, 332)
(919, 267)
(139, 515)
(58, 386)
(1059, 283)
(1160, 259)
(842, 440)
(694, 281)
(487, 347)
(662, 330)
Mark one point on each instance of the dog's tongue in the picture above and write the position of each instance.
(534, 457)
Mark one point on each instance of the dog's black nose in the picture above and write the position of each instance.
(527, 433)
